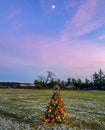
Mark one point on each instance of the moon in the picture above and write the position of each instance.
(53, 6)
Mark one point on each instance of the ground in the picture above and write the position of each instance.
(22, 109)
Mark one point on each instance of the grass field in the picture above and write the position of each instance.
(24, 110)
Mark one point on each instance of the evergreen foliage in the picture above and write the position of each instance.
(55, 112)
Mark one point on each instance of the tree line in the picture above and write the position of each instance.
(97, 82)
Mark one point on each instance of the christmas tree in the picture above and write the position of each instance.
(55, 112)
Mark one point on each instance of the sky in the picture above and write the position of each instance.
(66, 37)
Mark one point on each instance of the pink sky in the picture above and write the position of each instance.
(69, 40)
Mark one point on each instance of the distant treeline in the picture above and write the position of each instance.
(97, 83)
(16, 85)
(48, 82)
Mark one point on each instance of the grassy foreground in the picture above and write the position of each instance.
(24, 110)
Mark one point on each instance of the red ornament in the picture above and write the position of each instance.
(53, 121)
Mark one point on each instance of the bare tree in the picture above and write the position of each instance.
(50, 76)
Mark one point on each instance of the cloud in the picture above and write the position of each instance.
(10, 60)
(41, 54)
(13, 14)
(77, 58)
(28, 48)
(70, 5)
(53, 51)
(16, 25)
(13, 18)
(101, 37)
(74, 55)
(86, 19)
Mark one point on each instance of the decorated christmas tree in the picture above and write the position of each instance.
(55, 112)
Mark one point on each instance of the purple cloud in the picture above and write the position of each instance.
(13, 18)
(44, 53)
(13, 14)
(101, 37)
(84, 21)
